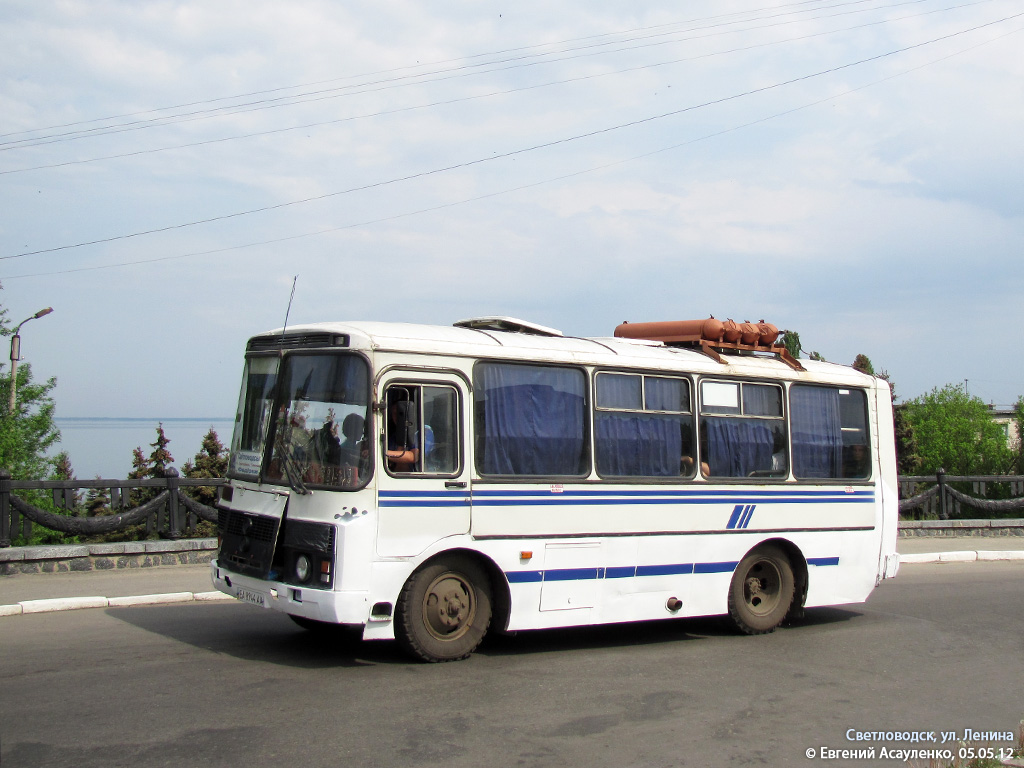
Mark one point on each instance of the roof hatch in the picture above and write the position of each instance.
(507, 324)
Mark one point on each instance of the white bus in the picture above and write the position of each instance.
(429, 484)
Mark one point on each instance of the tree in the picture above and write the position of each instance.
(140, 470)
(791, 341)
(907, 459)
(97, 502)
(210, 462)
(64, 471)
(1018, 416)
(955, 432)
(863, 364)
(153, 466)
(160, 460)
(27, 433)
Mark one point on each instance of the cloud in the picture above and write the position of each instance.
(875, 220)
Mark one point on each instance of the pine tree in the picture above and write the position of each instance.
(64, 471)
(210, 462)
(97, 502)
(140, 470)
(160, 460)
(863, 364)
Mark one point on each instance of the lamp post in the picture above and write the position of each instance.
(16, 355)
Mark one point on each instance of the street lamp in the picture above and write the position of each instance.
(16, 355)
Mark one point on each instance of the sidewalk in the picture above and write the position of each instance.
(44, 592)
(940, 549)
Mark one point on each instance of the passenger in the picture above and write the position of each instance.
(353, 447)
(403, 438)
(329, 444)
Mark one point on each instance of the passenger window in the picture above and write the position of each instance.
(421, 429)
(643, 426)
(742, 430)
(530, 420)
(830, 432)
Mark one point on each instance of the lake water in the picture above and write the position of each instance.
(104, 446)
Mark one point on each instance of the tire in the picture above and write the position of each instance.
(444, 610)
(761, 592)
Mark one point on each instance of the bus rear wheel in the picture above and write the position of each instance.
(444, 610)
(761, 591)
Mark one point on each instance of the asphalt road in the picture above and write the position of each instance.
(940, 648)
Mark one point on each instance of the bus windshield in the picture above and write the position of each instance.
(310, 418)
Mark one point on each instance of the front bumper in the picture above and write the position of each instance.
(321, 605)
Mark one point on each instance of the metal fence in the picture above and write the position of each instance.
(174, 514)
(946, 497)
(171, 514)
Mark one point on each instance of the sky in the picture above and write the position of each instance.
(848, 170)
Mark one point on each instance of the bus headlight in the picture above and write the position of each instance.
(303, 568)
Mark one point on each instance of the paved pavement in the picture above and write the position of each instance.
(32, 593)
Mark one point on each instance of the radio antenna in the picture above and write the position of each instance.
(289, 310)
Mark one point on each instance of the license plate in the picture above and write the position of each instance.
(253, 598)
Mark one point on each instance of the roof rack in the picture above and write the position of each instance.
(712, 336)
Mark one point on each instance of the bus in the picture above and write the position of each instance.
(428, 484)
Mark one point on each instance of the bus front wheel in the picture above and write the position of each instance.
(761, 591)
(444, 610)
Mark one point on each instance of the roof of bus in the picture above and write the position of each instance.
(611, 352)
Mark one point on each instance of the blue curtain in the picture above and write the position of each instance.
(762, 400)
(667, 394)
(532, 420)
(817, 432)
(619, 391)
(737, 447)
(640, 445)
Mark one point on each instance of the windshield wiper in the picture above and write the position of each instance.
(292, 471)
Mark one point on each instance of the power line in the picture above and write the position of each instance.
(511, 153)
(474, 97)
(520, 188)
(417, 66)
(399, 82)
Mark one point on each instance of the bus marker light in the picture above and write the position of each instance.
(527, 555)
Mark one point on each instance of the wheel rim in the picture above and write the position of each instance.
(448, 607)
(762, 587)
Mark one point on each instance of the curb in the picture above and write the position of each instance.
(74, 603)
(964, 556)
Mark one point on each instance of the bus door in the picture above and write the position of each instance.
(423, 486)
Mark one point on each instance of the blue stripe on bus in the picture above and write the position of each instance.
(536, 502)
(672, 492)
(524, 577)
(461, 500)
(715, 567)
(602, 498)
(629, 571)
(620, 572)
(823, 561)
